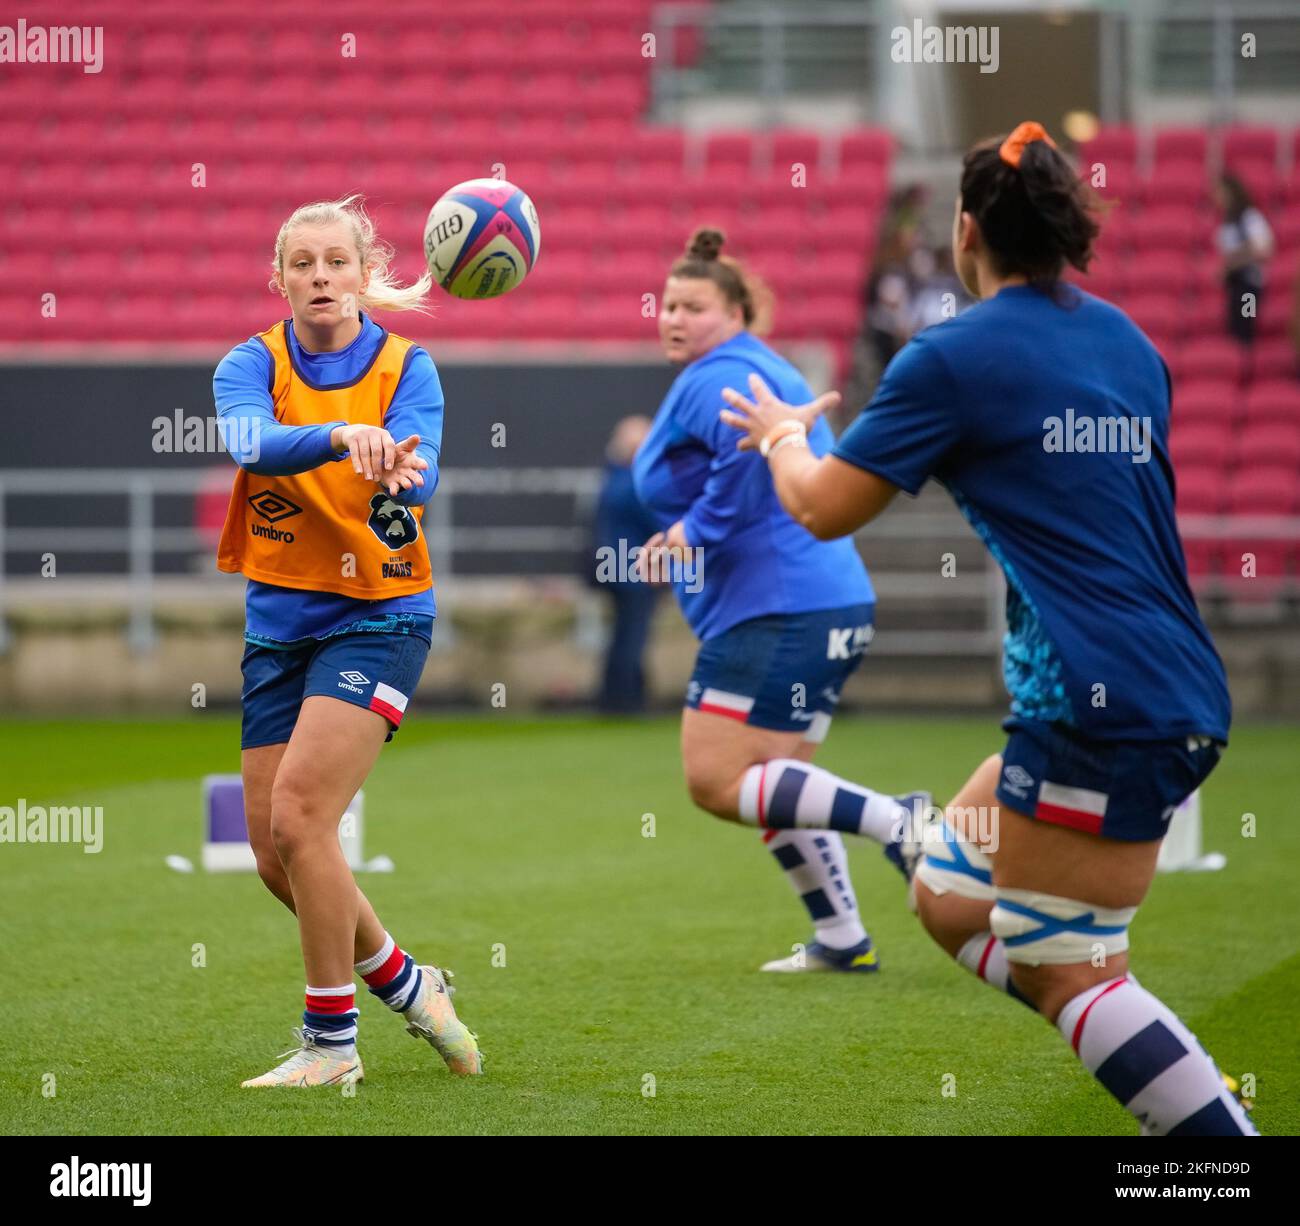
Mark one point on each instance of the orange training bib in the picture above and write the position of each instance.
(327, 530)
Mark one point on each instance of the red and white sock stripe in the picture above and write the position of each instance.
(331, 1000)
(388, 969)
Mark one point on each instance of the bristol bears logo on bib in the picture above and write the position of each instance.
(392, 523)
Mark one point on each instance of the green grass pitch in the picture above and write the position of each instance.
(626, 958)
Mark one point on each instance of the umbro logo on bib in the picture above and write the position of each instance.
(273, 507)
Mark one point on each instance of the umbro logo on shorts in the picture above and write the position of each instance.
(353, 680)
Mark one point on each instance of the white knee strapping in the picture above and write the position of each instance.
(950, 863)
(1042, 928)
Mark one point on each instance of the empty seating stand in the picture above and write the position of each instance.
(146, 197)
(1235, 426)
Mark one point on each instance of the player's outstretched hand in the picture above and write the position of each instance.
(371, 448)
(756, 417)
(404, 473)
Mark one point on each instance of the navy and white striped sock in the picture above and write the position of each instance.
(817, 868)
(331, 1016)
(786, 794)
(392, 975)
(1152, 1064)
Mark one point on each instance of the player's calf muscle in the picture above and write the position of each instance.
(1050, 988)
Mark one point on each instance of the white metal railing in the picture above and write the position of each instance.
(140, 539)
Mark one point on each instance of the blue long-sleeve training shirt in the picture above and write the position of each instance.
(756, 559)
(277, 615)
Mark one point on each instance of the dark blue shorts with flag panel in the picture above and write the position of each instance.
(378, 671)
(783, 671)
(1118, 789)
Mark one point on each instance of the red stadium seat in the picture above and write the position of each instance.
(1202, 444)
(865, 147)
(1207, 401)
(1203, 316)
(1270, 558)
(1116, 239)
(863, 186)
(1107, 279)
(1201, 491)
(787, 147)
(1273, 400)
(1171, 228)
(729, 153)
(1249, 142)
(1183, 183)
(1158, 271)
(1205, 279)
(1210, 357)
(1158, 315)
(1180, 145)
(1202, 554)
(1117, 183)
(662, 145)
(1264, 491)
(1275, 357)
(1112, 146)
(1263, 444)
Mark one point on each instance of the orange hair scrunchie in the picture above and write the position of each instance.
(1025, 134)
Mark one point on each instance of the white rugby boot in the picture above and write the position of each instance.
(310, 1064)
(432, 1017)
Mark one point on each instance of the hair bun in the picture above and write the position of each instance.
(706, 244)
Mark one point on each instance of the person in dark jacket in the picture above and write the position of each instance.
(622, 524)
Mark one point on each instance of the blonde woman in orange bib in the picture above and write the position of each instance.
(336, 425)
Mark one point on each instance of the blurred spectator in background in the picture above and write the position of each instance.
(1245, 243)
(888, 291)
(903, 227)
(623, 524)
(889, 313)
(906, 292)
(933, 280)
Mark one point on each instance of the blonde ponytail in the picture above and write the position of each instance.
(383, 292)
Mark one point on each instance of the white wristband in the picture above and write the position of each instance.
(795, 438)
(766, 445)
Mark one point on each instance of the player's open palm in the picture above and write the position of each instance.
(756, 417)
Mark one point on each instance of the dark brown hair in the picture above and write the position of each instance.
(1238, 197)
(1036, 217)
(703, 261)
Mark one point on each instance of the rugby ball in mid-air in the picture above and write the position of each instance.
(482, 238)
